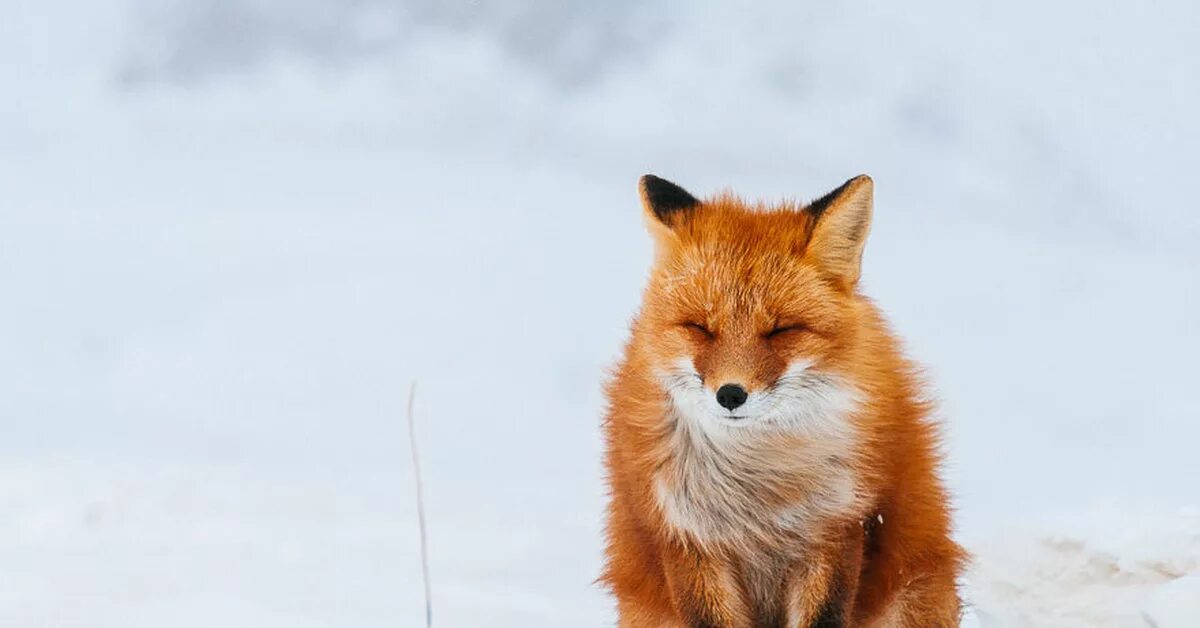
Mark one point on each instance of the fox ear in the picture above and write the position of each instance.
(841, 221)
(664, 201)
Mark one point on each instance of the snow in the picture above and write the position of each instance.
(231, 234)
(1086, 571)
(1176, 603)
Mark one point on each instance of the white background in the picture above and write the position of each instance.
(231, 233)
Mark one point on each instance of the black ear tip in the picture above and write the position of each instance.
(852, 186)
(651, 179)
(861, 181)
(663, 197)
(650, 184)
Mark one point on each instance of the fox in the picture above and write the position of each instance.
(772, 459)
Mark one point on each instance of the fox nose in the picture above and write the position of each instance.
(731, 396)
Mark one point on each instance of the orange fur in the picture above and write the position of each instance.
(826, 510)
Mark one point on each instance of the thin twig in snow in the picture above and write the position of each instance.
(412, 440)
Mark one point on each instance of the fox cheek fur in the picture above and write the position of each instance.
(770, 455)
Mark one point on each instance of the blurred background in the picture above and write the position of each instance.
(231, 233)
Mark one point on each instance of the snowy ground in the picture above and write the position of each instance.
(232, 233)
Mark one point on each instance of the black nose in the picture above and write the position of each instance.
(731, 396)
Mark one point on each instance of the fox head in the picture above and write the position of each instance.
(750, 316)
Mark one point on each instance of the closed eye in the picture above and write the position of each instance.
(783, 329)
(699, 328)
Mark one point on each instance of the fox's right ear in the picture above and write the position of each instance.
(664, 204)
(664, 201)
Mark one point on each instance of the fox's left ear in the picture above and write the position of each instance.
(842, 220)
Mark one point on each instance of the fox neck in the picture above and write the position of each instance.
(757, 486)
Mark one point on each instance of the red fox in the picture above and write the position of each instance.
(771, 457)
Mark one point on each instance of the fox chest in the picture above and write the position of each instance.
(766, 526)
(755, 497)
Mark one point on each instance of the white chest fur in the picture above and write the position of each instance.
(786, 470)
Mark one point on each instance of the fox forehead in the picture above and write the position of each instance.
(743, 239)
(713, 279)
(710, 285)
(733, 222)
